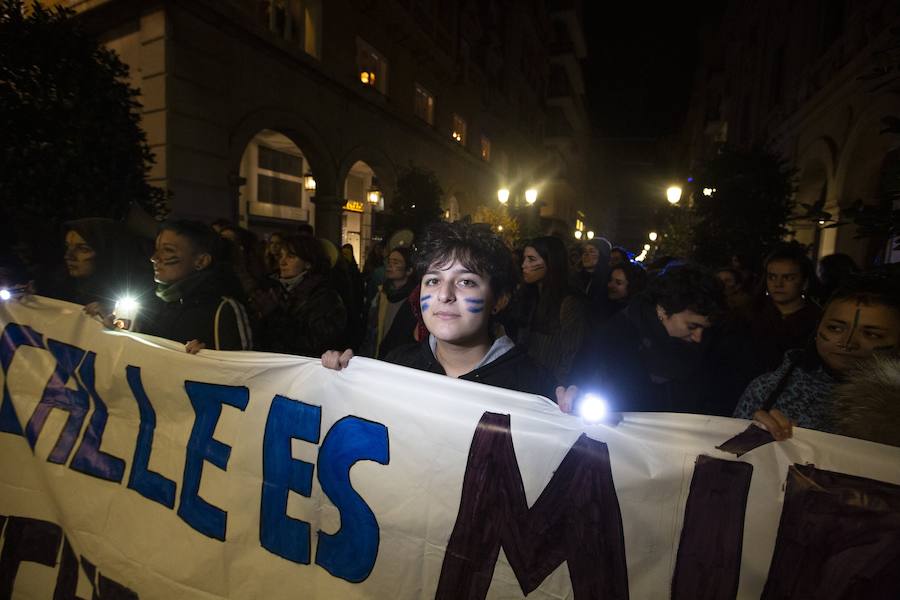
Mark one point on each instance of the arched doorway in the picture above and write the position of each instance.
(277, 184)
(364, 197)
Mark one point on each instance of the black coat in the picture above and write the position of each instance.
(514, 370)
(202, 311)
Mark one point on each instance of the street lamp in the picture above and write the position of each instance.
(590, 235)
(673, 194)
(647, 247)
(309, 182)
(653, 236)
(374, 195)
(531, 195)
(578, 234)
(503, 195)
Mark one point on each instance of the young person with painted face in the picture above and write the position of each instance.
(782, 317)
(304, 315)
(196, 291)
(861, 318)
(553, 317)
(649, 356)
(392, 322)
(104, 262)
(468, 278)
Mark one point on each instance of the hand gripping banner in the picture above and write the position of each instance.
(130, 469)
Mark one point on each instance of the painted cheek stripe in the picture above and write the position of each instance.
(475, 305)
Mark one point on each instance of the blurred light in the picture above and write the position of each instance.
(653, 235)
(499, 227)
(503, 195)
(309, 182)
(126, 308)
(707, 191)
(592, 408)
(673, 194)
(5, 294)
(374, 195)
(531, 195)
(690, 180)
(590, 235)
(821, 222)
(647, 247)
(577, 234)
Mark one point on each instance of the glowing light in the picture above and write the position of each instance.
(707, 191)
(647, 247)
(5, 294)
(531, 195)
(821, 222)
(126, 308)
(309, 182)
(577, 234)
(590, 235)
(592, 408)
(653, 235)
(503, 195)
(673, 194)
(374, 196)
(499, 227)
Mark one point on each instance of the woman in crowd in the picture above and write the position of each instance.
(649, 355)
(553, 317)
(197, 291)
(468, 278)
(103, 263)
(626, 280)
(783, 317)
(304, 315)
(737, 299)
(392, 321)
(272, 254)
(594, 273)
(861, 318)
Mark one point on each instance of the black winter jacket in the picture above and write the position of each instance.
(200, 311)
(514, 370)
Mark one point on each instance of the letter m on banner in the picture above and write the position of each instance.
(576, 519)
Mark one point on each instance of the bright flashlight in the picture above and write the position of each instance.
(126, 308)
(592, 408)
(5, 294)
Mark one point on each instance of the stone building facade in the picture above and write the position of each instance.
(246, 102)
(794, 75)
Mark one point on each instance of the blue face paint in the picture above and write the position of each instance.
(474, 305)
(423, 301)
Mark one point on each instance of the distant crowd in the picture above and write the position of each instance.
(781, 342)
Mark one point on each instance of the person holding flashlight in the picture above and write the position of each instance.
(196, 295)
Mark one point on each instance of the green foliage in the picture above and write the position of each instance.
(417, 200)
(748, 212)
(71, 145)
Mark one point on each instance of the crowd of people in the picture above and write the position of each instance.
(786, 345)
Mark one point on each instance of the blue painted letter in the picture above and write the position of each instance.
(14, 335)
(207, 400)
(278, 533)
(89, 458)
(350, 552)
(147, 483)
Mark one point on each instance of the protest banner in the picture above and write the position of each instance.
(130, 469)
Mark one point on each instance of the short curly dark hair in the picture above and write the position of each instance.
(474, 246)
(688, 287)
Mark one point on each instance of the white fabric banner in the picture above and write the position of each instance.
(131, 468)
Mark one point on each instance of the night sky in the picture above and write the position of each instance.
(641, 63)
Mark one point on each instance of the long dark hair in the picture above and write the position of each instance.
(546, 297)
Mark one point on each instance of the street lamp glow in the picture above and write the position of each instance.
(590, 235)
(503, 195)
(577, 236)
(673, 194)
(653, 235)
(707, 191)
(499, 227)
(647, 247)
(5, 294)
(531, 195)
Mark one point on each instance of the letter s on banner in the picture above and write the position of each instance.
(350, 552)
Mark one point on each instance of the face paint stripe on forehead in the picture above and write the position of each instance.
(855, 324)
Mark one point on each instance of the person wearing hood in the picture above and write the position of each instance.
(196, 295)
(594, 273)
(392, 321)
(305, 314)
(649, 356)
(104, 262)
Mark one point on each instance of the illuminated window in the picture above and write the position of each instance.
(295, 21)
(485, 148)
(372, 67)
(423, 104)
(459, 129)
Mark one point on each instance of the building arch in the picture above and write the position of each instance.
(381, 164)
